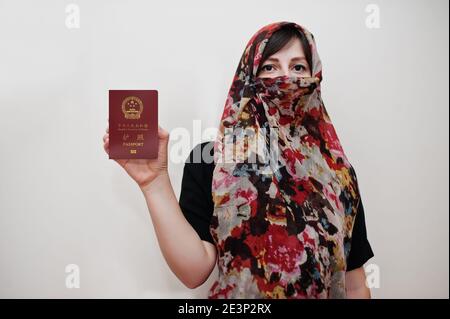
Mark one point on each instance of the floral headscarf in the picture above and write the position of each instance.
(285, 195)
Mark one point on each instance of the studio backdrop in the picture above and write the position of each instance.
(67, 210)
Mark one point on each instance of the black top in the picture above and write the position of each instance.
(197, 205)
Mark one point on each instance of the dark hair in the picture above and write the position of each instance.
(280, 38)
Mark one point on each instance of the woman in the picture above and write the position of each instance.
(274, 200)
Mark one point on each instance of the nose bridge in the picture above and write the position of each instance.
(285, 69)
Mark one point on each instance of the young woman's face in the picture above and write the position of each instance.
(289, 61)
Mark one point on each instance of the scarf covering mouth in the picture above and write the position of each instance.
(285, 195)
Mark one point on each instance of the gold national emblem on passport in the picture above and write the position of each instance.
(132, 107)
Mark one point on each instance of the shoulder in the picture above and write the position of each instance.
(202, 153)
(199, 164)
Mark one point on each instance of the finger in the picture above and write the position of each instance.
(106, 136)
(121, 162)
(107, 129)
(162, 133)
(106, 146)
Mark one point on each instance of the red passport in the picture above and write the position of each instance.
(133, 124)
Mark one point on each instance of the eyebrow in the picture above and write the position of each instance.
(299, 58)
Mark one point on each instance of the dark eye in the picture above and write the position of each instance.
(267, 67)
(299, 67)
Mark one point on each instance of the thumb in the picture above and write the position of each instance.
(163, 134)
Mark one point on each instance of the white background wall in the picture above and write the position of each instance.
(62, 201)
